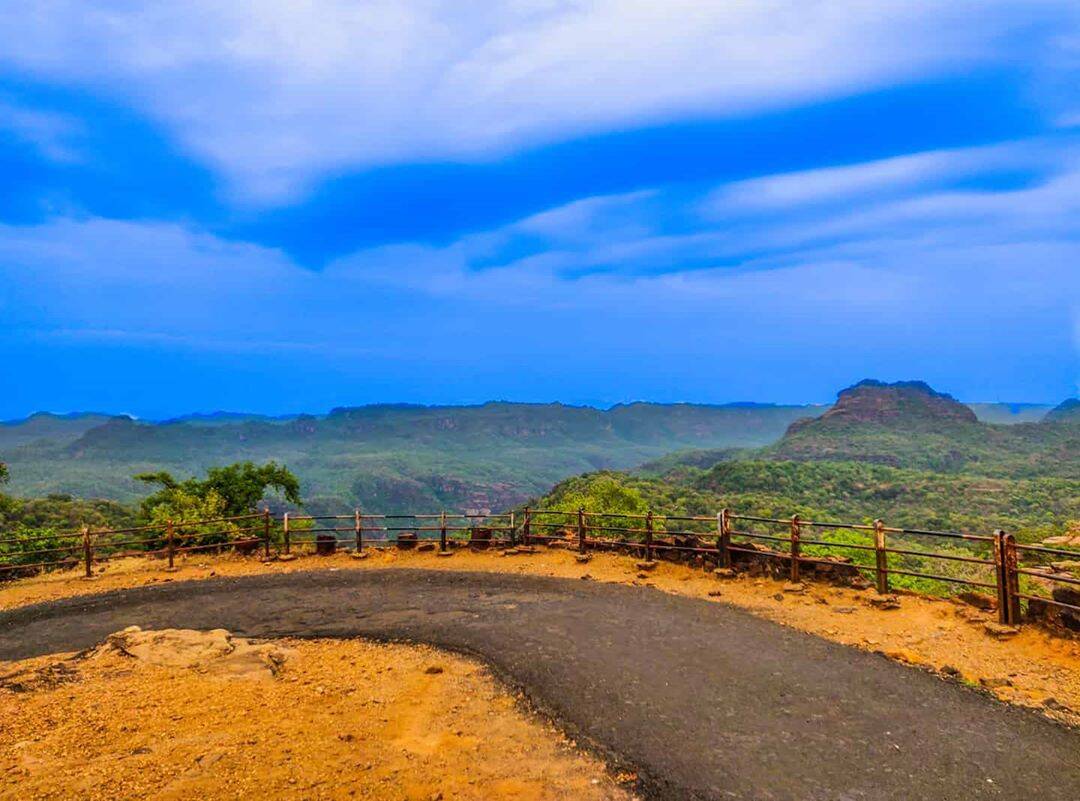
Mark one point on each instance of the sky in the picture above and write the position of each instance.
(285, 206)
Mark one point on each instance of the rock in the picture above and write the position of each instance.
(582, 558)
(287, 557)
(978, 600)
(724, 572)
(844, 610)
(360, 554)
(714, 593)
(406, 540)
(426, 546)
(446, 553)
(511, 552)
(861, 583)
(794, 587)
(586, 577)
(325, 544)
(480, 538)
(642, 575)
(904, 655)
(215, 651)
(950, 670)
(884, 602)
(1053, 703)
(993, 683)
(1000, 631)
(646, 565)
(779, 596)
(433, 670)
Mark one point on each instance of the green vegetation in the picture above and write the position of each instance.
(225, 492)
(389, 458)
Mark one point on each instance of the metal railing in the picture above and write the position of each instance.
(1014, 573)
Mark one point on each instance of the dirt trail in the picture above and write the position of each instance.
(704, 700)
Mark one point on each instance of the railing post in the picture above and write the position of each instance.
(1012, 578)
(796, 547)
(266, 533)
(649, 536)
(881, 558)
(358, 529)
(88, 552)
(170, 542)
(581, 530)
(526, 525)
(442, 532)
(285, 533)
(723, 539)
(999, 573)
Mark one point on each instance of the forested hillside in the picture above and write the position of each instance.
(389, 457)
(903, 452)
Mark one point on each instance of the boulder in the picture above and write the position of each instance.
(406, 540)
(216, 652)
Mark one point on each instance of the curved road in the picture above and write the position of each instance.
(703, 700)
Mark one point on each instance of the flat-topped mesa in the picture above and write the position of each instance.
(903, 403)
(1067, 411)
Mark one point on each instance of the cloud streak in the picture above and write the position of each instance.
(275, 95)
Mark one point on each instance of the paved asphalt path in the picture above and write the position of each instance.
(703, 700)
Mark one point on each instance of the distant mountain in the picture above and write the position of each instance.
(391, 457)
(903, 404)
(218, 418)
(1066, 412)
(909, 425)
(1009, 413)
(47, 426)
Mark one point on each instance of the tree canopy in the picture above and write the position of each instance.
(225, 492)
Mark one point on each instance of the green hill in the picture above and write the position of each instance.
(391, 457)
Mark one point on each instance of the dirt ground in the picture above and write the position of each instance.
(331, 719)
(1033, 668)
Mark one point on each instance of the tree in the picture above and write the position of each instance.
(227, 491)
(4, 475)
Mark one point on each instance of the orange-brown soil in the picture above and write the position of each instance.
(318, 720)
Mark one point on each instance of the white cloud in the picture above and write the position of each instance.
(275, 93)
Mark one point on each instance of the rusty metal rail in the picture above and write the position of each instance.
(1011, 569)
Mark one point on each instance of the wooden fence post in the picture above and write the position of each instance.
(358, 529)
(881, 558)
(170, 542)
(796, 547)
(442, 532)
(999, 574)
(266, 533)
(649, 536)
(513, 528)
(88, 552)
(285, 534)
(1012, 578)
(581, 530)
(723, 538)
(526, 525)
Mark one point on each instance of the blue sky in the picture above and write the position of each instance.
(281, 207)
